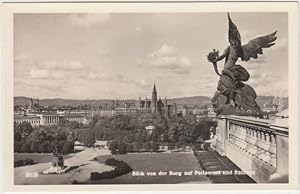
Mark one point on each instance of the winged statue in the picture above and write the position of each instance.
(232, 76)
(235, 49)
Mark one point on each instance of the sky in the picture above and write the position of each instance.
(121, 55)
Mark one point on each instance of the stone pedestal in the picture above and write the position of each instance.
(57, 166)
(57, 163)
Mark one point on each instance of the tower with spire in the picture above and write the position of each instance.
(31, 104)
(154, 100)
(154, 105)
(37, 101)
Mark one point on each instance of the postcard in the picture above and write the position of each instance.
(160, 96)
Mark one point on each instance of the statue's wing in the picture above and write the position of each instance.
(255, 46)
(234, 37)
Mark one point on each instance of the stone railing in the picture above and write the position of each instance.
(258, 146)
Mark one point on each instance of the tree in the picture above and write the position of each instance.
(122, 147)
(17, 136)
(34, 147)
(75, 125)
(87, 137)
(154, 146)
(113, 147)
(26, 147)
(129, 147)
(52, 145)
(137, 146)
(129, 138)
(68, 147)
(63, 123)
(147, 146)
(24, 129)
(61, 145)
(43, 147)
(171, 146)
(139, 137)
(164, 136)
(18, 146)
(120, 122)
(205, 125)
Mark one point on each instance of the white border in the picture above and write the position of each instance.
(10, 8)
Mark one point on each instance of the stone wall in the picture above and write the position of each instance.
(259, 147)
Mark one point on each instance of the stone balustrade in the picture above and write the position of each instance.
(258, 141)
(256, 145)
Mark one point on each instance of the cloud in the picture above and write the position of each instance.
(164, 51)
(62, 65)
(260, 60)
(169, 59)
(103, 52)
(72, 65)
(118, 78)
(88, 19)
(39, 88)
(97, 76)
(281, 44)
(268, 84)
(45, 74)
(138, 29)
(21, 57)
(39, 73)
(55, 70)
(138, 83)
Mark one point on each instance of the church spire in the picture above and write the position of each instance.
(154, 100)
(154, 89)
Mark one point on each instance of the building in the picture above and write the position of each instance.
(276, 105)
(75, 118)
(36, 118)
(31, 119)
(154, 105)
(210, 112)
(48, 118)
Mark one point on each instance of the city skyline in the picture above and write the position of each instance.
(104, 56)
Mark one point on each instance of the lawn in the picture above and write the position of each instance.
(156, 162)
(36, 157)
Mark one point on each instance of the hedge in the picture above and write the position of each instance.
(121, 169)
(23, 162)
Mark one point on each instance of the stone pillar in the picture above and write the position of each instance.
(272, 150)
(282, 150)
(222, 135)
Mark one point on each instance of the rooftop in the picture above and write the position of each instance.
(26, 117)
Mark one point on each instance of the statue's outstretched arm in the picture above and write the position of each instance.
(214, 57)
(225, 54)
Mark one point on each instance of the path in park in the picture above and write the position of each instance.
(81, 162)
(212, 161)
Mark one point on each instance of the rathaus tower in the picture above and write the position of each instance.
(154, 100)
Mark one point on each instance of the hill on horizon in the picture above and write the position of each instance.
(191, 101)
(21, 100)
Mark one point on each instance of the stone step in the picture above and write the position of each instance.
(212, 161)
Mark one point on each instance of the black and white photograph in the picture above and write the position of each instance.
(120, 98)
